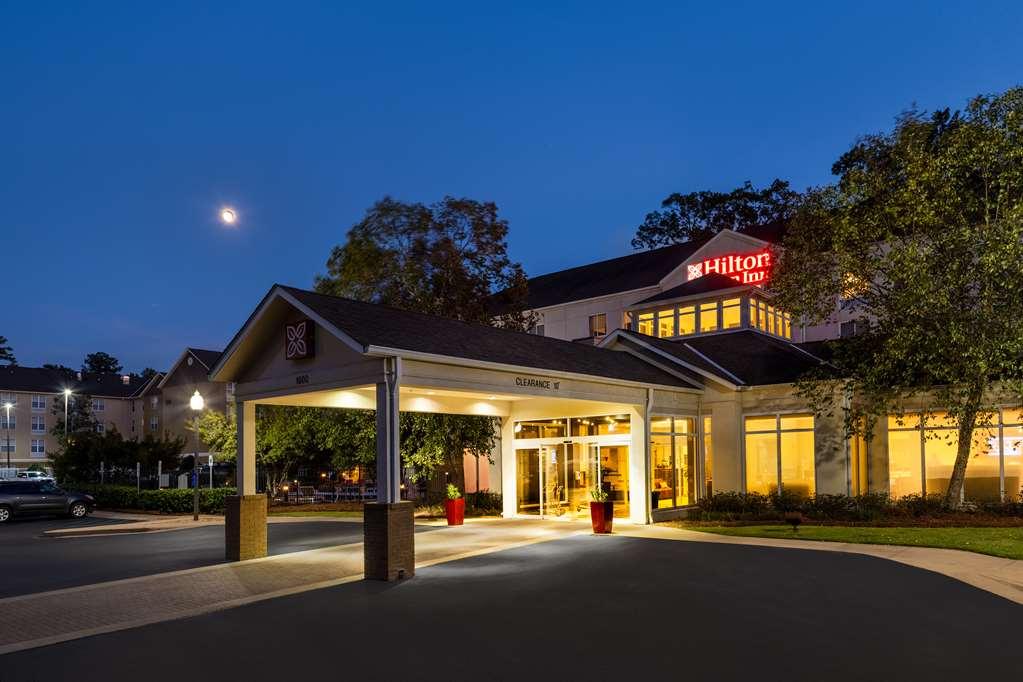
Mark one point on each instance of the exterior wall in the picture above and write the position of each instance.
(175, 414)
(571, 321)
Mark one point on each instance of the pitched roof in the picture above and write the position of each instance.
(207, 357)
(746, 357)
(44, 380)
(715, 281)
(635, 271)
(370, 324)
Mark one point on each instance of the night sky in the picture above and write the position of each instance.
(124, 127)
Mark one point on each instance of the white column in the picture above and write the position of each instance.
(245, 414)
(639, 457)
(388, 445)
(509, 465)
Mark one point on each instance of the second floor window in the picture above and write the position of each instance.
(38, 402)
(38, 423)
(98, 405)
(598, 324)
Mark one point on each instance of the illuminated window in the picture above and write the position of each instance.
(673, 450)
(708, 457)
(646, 324)
(730, 314)
(601, 425)
(686, 320)
(541, 428)
(666, 323)
(598, 324)
(770, 319)
(780, 450)
(708, 316)
(857, 465)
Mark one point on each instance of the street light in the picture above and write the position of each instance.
(67, 395)
(8, 406)
(196, 403)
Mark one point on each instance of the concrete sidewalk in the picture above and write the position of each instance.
(39, 619)
(997, 575)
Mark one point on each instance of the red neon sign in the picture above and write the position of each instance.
(747, 268)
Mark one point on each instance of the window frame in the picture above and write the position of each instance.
(778, 431)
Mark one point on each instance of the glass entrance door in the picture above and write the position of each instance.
(543, 480)
(556, 480)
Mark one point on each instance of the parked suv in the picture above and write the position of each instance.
(34, 476)
(28, 497)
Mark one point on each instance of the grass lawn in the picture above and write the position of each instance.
(1003, 542)
(321, 514)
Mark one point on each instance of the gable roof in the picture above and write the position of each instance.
(379, 329)
(206, 358)
(715, 281)
(745, 357)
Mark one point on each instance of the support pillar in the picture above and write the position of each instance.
(389, 547)
(245, 513)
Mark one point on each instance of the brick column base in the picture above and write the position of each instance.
(245, 527)
(390, 548)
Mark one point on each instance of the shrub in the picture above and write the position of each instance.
(485, 502)
(735, 503)
(921, 505)
(166, 501)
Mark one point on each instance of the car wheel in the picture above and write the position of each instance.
(78, 510)
(5, 514)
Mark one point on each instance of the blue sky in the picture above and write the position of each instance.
(123, 128)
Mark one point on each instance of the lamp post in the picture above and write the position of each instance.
(67, 395)
(196, 403)
(8, 406)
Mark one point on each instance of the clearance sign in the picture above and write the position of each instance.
(745, 268)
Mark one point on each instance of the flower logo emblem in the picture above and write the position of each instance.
(297, 342)
(695, 271)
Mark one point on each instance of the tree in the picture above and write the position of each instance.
(146, 374)
(922, 239)
(80, 460)
(101, 363)
(6, 352)
(432, 441)
(80, 416)
(701, 215)
(446, 259)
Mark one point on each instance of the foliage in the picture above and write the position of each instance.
(81, 419)
(165, 501)
(80, 459)
(432, 441)
(146, 374)
(598, 494)
(485, 502)
(446, 259)
(101, 363)
(6, 352)
(701, 215)
(67, 372)
(921, 239)
(453, 493)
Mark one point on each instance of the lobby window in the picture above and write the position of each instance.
(780, 451)
(673, 451)
(708, 457)
(38, 423)
(645, 324)
(922, 451)
(598, 324)
(731, 315)
(686, 320)
(708, 316)
(604, 425)
(38, 447)
(38, 403)
(542, 428)
(666, 323)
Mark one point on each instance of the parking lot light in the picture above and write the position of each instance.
(196, 402)
(8, 406)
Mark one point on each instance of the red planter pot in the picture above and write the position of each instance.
(601, 516)
(455, 511)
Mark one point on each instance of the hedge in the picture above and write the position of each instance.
(165, 501)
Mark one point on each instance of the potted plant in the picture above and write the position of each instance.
(454, 506)
(602, 511)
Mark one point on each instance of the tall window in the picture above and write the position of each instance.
(666, 323)
(708, 458)
(708, 316)
(598, 324)
(673, 450)
(731, 316)
(98, 405)
(154, 423)
(922, 452)
(779, 451)
(38, 423)
(38, 402)
(8, 445)
(686, 320)
(3, 419)
(645, 325)
(38, 447)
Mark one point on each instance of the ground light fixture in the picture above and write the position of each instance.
(196, 402)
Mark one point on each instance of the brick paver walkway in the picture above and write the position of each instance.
(45, 618)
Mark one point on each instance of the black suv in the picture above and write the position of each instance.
(22, 498)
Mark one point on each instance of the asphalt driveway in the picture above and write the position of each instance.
(591, 608)
(31, 562)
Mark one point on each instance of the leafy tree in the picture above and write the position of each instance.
(922, 238)
(80, 416)
(146, 374)
(6, 352)
(447, 259)
(101, 363)
(80, 460)
(433, 441)
(701, 215)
